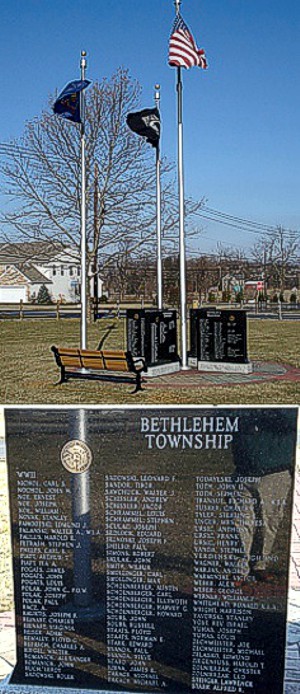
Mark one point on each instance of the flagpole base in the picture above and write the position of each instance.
(185, 367)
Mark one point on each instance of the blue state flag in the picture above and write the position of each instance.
(67, 103)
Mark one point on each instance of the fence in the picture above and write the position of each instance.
(60, 311)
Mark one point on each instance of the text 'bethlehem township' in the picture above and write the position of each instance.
(189, 432)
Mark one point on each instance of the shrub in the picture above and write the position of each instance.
(226, 296)
(43, 296)
(239, 296)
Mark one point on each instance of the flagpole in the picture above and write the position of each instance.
(83, 326)
(158, 213)
(182, 250)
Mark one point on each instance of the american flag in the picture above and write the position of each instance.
(183, 51)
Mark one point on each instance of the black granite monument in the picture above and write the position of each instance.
(152, 334)
(218, 340)
(151, 548)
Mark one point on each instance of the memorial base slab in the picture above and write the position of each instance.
(220, 367)
(162, 369)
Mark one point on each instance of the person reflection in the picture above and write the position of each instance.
(263, 459)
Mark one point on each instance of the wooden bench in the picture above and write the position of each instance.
(99, 364)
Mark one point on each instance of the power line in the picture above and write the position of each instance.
(234, 218)
(231, 225)
(222, 218)
(217, 216)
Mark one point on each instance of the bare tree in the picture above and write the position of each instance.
(42, 174)
(276, 252)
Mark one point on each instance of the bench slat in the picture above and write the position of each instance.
(70, 361)
(112, 364)
(92, 361)
(68, 351)
(114, 353)
(95, 364)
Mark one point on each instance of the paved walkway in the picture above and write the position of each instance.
(263, 371)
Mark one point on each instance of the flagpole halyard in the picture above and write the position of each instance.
(158, 213)
(83, 326)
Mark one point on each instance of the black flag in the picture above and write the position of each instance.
(147, 124)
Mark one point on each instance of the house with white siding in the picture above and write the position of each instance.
(25, 267)
(19, 283)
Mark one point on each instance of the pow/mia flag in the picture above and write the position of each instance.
(147, 124)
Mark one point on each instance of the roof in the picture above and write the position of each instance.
(13, 273)
(33, 274)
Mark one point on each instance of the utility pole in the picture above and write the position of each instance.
(265, 274)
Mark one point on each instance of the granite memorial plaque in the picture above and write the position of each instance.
(219, 337)
(152, 334)
(151, 548)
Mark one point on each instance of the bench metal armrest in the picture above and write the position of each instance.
(136, 364)
(139, 363)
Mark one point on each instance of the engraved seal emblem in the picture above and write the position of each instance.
(76, 456)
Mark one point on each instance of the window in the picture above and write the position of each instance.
(62, 270)
(53, 271)
(71, 271)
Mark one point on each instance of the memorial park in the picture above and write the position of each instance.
(29, 372)
(93, 201)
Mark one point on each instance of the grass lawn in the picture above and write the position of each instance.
(29, 372)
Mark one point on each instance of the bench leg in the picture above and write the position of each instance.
(138, 383)
(62, 376)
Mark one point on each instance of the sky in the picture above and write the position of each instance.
(241, 116)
